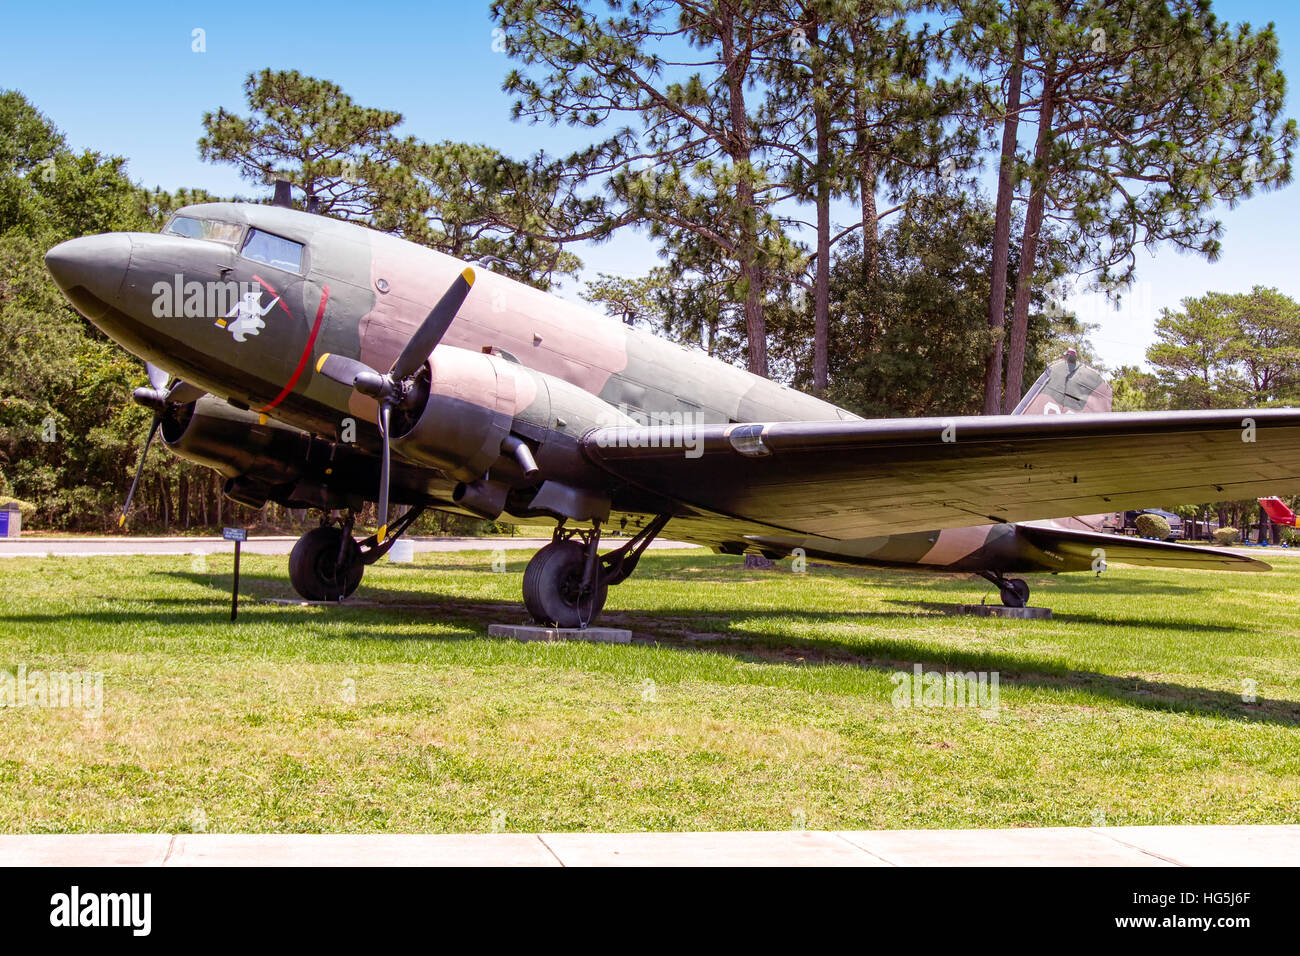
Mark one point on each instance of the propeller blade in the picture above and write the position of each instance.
(341, 368)
(157, 377)
(182, 393)
(385, 410)
(433, 328)
(139, 469)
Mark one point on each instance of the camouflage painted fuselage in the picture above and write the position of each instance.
(515, 358)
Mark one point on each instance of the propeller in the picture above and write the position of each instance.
(390, 389)
(160, 398)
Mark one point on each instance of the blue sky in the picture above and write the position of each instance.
(128, 83)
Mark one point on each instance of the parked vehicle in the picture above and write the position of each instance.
(1125, 522)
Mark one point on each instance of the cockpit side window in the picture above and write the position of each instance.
(273, 250)
(192, 228)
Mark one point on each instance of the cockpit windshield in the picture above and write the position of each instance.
(203, 229)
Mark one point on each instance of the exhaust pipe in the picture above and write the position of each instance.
(511, 445)
(487, 499)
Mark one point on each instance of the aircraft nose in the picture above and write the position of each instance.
(95, 264)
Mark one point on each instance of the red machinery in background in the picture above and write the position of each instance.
(1277, 511)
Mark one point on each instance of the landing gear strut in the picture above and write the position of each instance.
(327, 562)
(1013, 591)
(566, 582)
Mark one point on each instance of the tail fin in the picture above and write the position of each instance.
(1068, 386)
(1278, 512)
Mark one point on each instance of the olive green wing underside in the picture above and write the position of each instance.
(862, 478)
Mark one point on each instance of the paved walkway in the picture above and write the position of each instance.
(1051, 846)
(96, 546)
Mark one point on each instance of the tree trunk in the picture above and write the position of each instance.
(866, 159)
(867, 194)
(1029, 245)
(870, 220)
(739, 148)
(755, 324)
(1002, 235)
(822, 289)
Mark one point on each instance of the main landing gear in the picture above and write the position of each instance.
(327, 562)
(566, 582)
(1014, 591)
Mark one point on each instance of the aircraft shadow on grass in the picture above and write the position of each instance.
(724, 631)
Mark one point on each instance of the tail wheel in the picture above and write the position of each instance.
(553, 586)
(315, 568)
(1015, 592)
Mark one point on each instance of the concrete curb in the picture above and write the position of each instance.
(1049, 846)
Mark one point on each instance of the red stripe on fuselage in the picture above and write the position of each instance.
(279, 300)
(306, 350)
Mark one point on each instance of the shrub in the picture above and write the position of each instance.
(1227, 536)
(1152, 526)
(25, 507)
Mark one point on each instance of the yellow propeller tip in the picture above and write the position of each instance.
(468, 275)
(121, 521)
(383, 530)
(321, 361)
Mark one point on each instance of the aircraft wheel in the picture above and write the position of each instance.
(1015, 593)
(552, 584)
(314, 565)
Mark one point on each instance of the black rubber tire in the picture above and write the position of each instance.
(551, 583)
(1015, 593)
(313, 565)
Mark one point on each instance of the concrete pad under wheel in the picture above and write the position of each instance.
(527, 632)
(999, 610)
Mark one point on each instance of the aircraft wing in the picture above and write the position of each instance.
(1120, 549)
(855, 479)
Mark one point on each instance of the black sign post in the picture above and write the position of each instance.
(239, 536)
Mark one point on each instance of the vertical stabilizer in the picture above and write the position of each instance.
(1067, 387)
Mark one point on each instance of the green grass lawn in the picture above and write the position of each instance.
(750, 700)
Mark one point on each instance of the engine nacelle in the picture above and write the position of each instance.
(502, 429)
(267, 461)
(471, 404)
(234, 441)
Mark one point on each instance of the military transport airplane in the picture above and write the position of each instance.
(321, 364)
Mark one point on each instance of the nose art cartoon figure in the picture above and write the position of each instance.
(249, 311)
